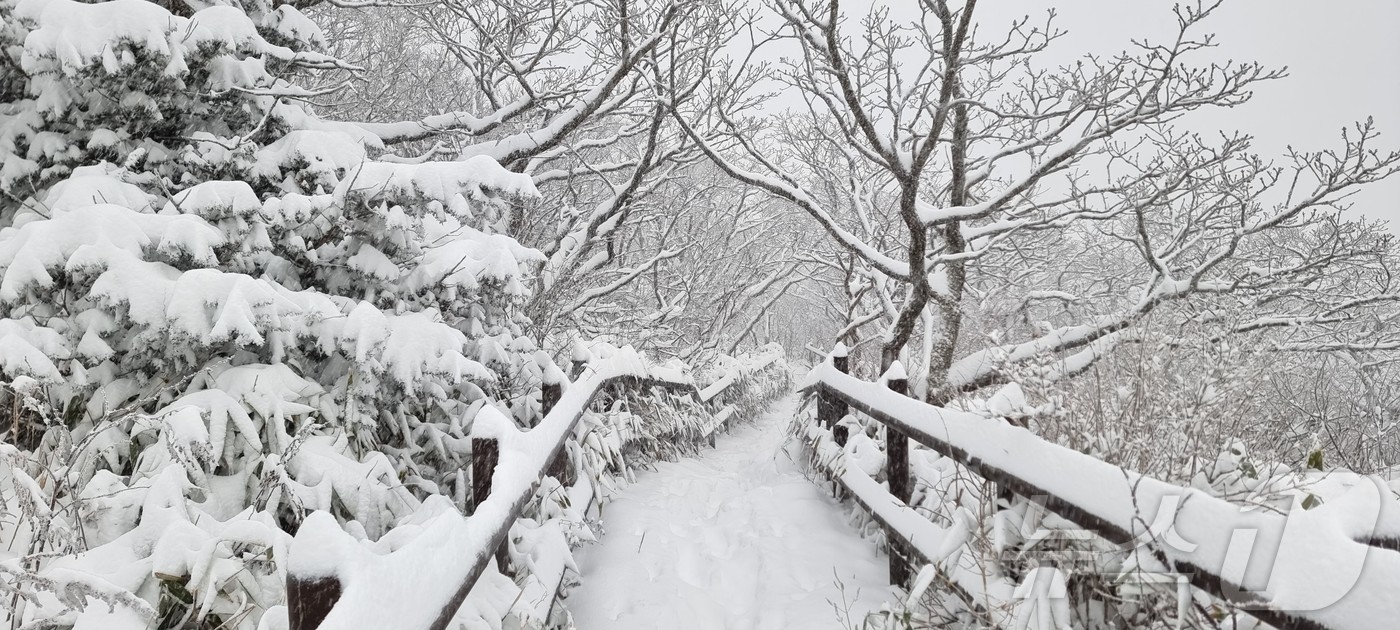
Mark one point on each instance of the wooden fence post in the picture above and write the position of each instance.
(579, 360)
(310, 600)
(550, 393)
(826, 410)
(897, 471)
(830, 409)
(840, 360)
(486, 453)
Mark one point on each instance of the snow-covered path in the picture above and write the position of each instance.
(735, 539)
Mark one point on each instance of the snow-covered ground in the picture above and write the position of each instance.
(733, 540)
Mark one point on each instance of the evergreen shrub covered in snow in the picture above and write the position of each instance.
(405, 576)
(219, 313)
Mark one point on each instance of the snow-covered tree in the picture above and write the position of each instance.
(940, 158)
(217, 307)
(570, 93)
(731, 255)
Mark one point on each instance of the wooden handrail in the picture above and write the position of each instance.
(312, 598)
(1119, 505)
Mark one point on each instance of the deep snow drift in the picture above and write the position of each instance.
(735, 539)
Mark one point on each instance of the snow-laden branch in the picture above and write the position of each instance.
(626, 277)
(465, 122)
(526, 144)
(759, 314)
(804, 200)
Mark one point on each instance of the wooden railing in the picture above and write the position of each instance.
(1330, 547)
(312, 597)
(1351, 553)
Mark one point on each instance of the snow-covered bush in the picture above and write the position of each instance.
(633, 428)
(415, 568)
(218, 313)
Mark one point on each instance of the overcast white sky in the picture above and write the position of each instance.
(1343, 58)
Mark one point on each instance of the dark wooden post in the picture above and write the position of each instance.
(897, 471)
(309, 600)
(486, 453)
(716, 429)
(840, 360)
(826, 409)
(830, 409)
(550, 393)
(579, 360)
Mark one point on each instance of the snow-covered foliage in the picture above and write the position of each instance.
(1000, 559)
(218, 313)
(627, 212)
(406, 576)
(642, 427)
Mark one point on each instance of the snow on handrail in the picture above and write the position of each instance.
(931, 543)
(422, 583)
(741, 367)
(1300, 569)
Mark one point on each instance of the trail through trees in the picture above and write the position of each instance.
(736, 538)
